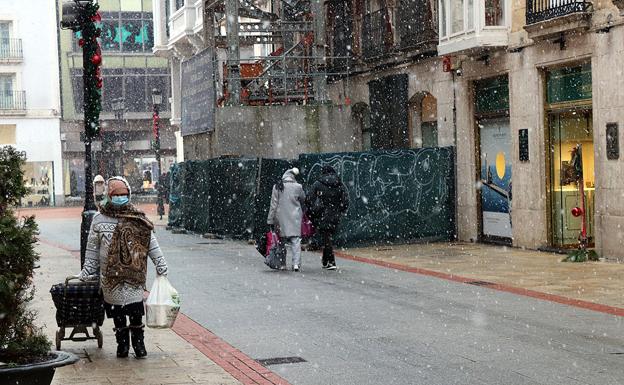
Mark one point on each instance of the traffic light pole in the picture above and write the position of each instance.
(81, 16)
(92, 100)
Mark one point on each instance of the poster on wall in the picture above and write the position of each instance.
(496, 178)
(198, 94)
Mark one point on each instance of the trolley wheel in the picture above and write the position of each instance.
(100, 337)
(58, 339)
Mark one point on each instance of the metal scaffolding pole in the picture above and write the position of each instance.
(233, 51)
(320, 82)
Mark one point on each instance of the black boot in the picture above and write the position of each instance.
(138, 341)
(123, 341)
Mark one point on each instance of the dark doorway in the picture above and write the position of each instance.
(389, 115)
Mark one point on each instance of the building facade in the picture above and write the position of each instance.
(130, 72)
(29, 96)
(524, 90)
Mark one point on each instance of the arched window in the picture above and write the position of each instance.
(423, 120)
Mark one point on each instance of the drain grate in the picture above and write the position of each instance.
(280, 361)
(479, 283)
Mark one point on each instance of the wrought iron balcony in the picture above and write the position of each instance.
(12, 101)
(416, 25)
(376, 34)
(542, 10)
(11, 49)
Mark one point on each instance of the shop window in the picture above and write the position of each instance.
(39, 179)
(124, 32)
(567, 131)
(495, 158)
(7, 134)
(133, 84)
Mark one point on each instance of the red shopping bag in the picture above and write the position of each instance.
(307, 228)
(272, 239)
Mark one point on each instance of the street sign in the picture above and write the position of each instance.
(198, 94)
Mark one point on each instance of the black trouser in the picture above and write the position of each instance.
(120, 321)
(328, 250)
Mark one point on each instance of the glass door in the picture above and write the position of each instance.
(569, 129)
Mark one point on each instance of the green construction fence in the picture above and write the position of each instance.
(395, 196)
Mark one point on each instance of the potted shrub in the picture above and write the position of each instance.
(25, 356)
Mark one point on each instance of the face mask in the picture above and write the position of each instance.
(120, 200)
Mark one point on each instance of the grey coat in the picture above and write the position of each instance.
(286, 206)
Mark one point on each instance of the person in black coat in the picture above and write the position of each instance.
(326, 202)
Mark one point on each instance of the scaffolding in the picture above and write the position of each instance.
(291, 33)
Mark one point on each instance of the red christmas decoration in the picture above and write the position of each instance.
(81, 42)
(577, 212)
(100, 83)
(96, 59)
(97, 17)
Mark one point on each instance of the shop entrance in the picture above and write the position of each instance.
(494, 159)
(570, 163)
(569, 129)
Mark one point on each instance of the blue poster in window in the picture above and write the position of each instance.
(496, 177)
(198, 94)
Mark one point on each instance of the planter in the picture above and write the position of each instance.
(36, 374)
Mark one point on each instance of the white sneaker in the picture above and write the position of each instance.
(295, 267)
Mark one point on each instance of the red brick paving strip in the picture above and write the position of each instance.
(617, 311)
(235, 362)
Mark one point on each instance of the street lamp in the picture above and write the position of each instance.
(156, 102)
(119, 108)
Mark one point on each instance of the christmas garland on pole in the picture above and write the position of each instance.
(92, 76)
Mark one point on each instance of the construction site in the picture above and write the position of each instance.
(249, 78)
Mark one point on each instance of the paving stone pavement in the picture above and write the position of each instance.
(370, 325)
(597, 282)
(171, 360)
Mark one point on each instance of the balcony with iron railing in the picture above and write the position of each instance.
(542, 10)
(12, 102)
(546, 18)
(416, 27)
(376, 34)
(11, 50)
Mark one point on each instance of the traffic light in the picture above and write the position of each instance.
(73, 14)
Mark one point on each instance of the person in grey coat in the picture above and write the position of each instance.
(285, 213)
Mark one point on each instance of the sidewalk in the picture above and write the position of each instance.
(171, 359)
(596, 282)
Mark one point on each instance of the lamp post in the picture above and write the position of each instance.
(82, 16)
(119, 108)
(156, 102)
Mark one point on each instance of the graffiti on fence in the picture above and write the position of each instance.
(403, 194)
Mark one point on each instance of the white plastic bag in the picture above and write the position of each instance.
(162, 304)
